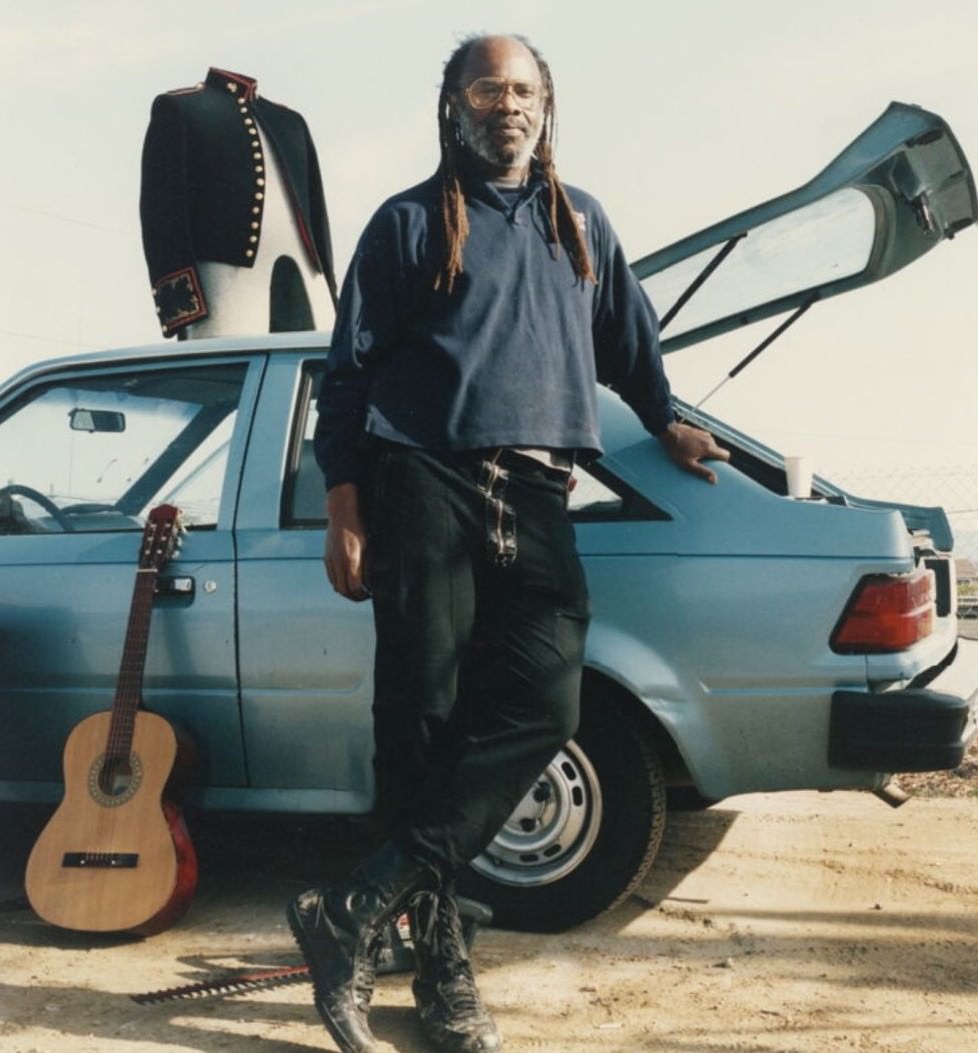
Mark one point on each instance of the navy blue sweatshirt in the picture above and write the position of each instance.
(510, 357)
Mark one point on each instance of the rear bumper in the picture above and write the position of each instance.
(915, 729)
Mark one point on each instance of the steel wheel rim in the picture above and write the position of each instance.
(552, 830)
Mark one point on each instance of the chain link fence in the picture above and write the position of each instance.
(954, 488)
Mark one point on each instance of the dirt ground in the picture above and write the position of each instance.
(788, 923)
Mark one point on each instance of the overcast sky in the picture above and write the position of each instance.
(674, 115)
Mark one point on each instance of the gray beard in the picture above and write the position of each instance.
(509, 155)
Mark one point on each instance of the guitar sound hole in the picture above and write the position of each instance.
(112, 782)
(115, 778)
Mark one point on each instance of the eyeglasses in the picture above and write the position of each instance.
(487, 91)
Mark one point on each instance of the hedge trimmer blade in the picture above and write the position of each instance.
(396, 955)
(232, 983)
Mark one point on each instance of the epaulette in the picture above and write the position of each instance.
(187, 91)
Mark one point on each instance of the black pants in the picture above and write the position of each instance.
(481, 610)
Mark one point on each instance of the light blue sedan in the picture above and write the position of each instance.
(742, 640)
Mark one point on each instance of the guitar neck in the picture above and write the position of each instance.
(128, 694)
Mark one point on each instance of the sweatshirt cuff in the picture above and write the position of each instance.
(661, 422)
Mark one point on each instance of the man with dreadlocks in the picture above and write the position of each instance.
(479, 311)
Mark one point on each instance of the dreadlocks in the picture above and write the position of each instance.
(564, 228)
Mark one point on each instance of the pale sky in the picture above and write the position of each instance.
(674, 115)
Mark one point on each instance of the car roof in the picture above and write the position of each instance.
(227, 346)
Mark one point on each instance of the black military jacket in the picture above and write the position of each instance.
(202, 191)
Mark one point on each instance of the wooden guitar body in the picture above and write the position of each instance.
(115, 856)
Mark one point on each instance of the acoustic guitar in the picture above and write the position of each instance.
(116, 855)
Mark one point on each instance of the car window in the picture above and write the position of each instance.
(597, 494)
(97, 452)
(304, 496)
(828, 240)
(591, 498)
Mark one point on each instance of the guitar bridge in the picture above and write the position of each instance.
(101, 860)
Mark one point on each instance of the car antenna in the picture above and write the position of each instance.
(766, 342)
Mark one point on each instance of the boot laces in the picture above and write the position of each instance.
(461, 995)
(365, 971)
(440, 930)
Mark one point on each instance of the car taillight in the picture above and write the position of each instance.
(887, 612)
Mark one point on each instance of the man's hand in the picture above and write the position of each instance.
(689, 447)
(346, 543)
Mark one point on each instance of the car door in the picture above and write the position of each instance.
(85, 453)
(306, 654)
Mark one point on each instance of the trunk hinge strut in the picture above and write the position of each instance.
(766, 342)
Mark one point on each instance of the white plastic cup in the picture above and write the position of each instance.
(799, 473)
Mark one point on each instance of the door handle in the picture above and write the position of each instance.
(175, 586)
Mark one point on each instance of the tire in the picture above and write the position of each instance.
(587, 832)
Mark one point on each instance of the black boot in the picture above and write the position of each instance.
(452, 1013)
(340, 931)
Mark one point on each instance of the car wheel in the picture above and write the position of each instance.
(587, 831)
